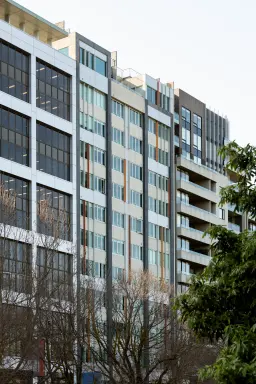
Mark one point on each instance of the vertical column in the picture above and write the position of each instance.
(172, 199)
(33, 215)
(145, 226)
(109, 214)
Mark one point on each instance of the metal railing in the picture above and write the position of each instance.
(234, 227)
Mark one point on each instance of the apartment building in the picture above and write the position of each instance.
(133, 161)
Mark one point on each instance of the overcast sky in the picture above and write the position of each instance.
(207, 47)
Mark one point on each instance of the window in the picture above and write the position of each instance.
(135, 144)
(118, 247)
(14, 136)
(151, 95)
(92, 96)
(99, 241)
(53, 213)
(99, 128)
(16, 268)
(152, 126)
(165, 102)
(135, 117)
(53, 90)
(118, 191)
(136, 198)
(164, 131)
(136, 225)
(158, 180)
(152, 256)
(99, 213)
(167, 261)
(157, 206)
(183, 244)
(81, 56)
(53, 151)
(100, 66)
(118, 136)
(99, 156)
(136, 252)
(163, 157)
(95, 269)
(117, 109)
(118, 164)
(252, 227)
(182, 198)
(151, 152)
(14, 71)
(222, 213)
(136, 171)
(118, 219)
(186, 127)
(117, 273)
(197, 142)
(183, 267)
(182, 175)
(55, 273)
(14, 201)
(153, 231)
(95, 63)
(99, 99)
(99, 184)
(182, 221)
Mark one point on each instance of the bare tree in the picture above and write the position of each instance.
(29, 286)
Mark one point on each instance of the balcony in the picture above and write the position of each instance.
(198, 190)
(194, 234)
(199, 213)
(194, 257)
(183, 277)
(234, 227)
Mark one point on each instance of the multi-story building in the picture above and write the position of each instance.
(134, 162)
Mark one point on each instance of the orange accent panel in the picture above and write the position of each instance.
(124, 180)
(88, 165)
(157, 139)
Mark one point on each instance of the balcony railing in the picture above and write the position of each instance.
(234, 227)
(196, 185)
(194, 253)
(196, 208)
(192, 229)
(200, 165)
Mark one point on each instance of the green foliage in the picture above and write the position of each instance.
(221, 302)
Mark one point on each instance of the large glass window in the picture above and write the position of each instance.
(118, 247)
(16, 265)
(118, 219)
(14, 201)
(118, 191)
(95, 63)
(14, 77)
(151, 95)
(151, 125)
(54, 273)
(136, 252)
(135, 117)
(136, 198)
(118, 136)
(53, 151)
(135, 144)
(117, 109)
(186, 128)
(53, 90)
(117, 164)
(14, 136)
(135, 171)
(53, 213)
(92, 96)
(136, 225)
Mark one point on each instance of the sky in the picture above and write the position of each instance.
(205, 46)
